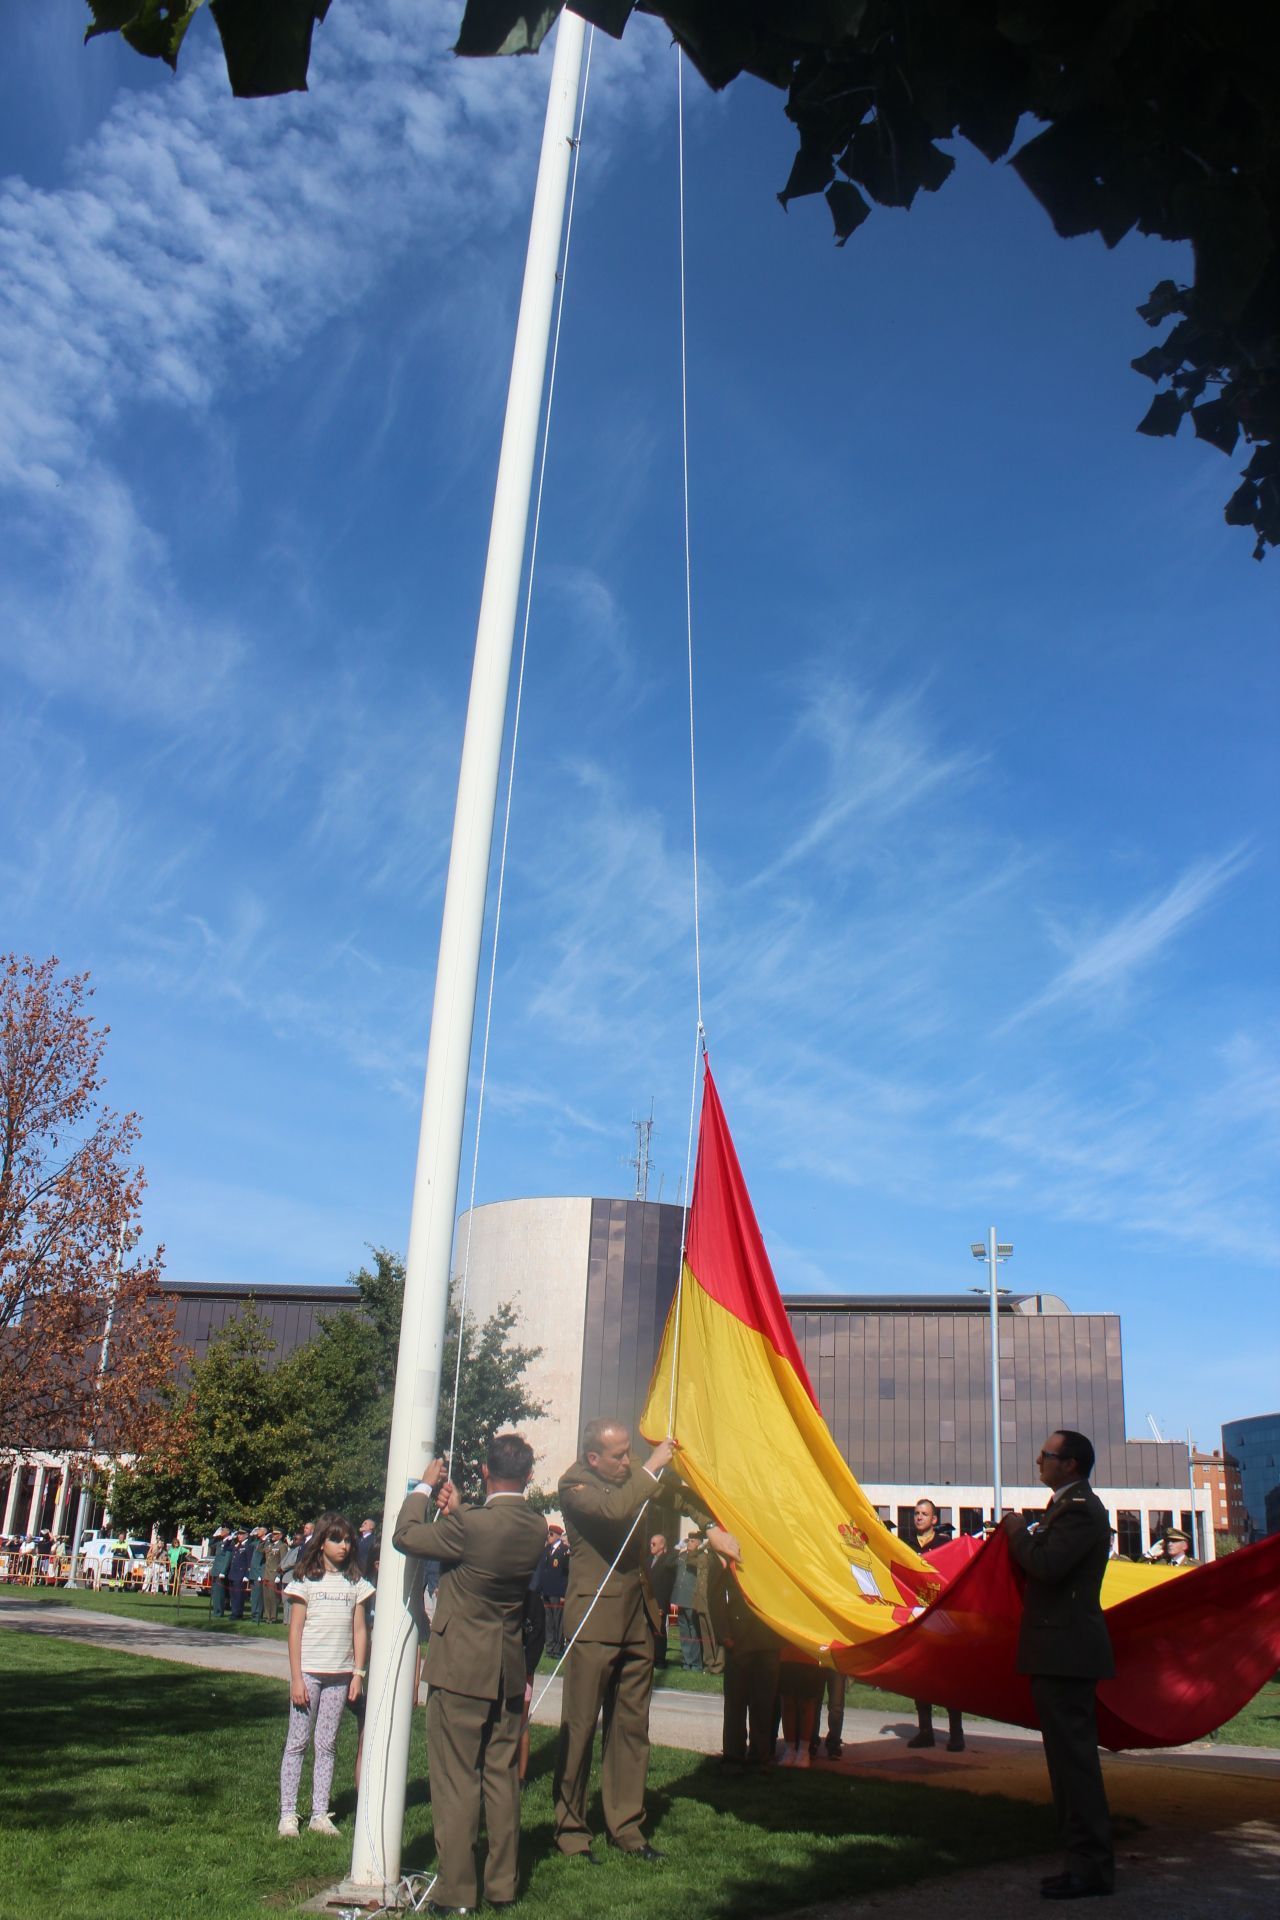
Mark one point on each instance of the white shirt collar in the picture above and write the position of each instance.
(502, 1496)
(1067, 1489)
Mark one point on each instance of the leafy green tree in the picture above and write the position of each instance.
(279, 1444)
(491, 1393)
(1159, 115)
(248, 1443)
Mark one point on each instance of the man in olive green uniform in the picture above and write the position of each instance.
(474, 1667)
(272, 1555)
(610, 1665)
(751, 1651)
(1065, 1648)
(1177, 1549)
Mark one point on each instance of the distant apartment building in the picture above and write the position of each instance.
(1218, 1475)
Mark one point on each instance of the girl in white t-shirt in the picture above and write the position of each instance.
(328, 1659)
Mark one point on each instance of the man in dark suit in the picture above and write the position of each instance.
(1065, 1648)
(663, 1562)
(475, 1667)
(366, 1546)
(220, 1546)
(244, 1570)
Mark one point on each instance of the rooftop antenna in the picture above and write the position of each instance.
(642, 1160)
(1154, 1425)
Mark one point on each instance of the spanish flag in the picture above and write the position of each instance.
(819, 1565)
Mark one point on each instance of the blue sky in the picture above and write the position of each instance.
(987, 692)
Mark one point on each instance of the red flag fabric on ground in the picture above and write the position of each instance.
(819, 1564)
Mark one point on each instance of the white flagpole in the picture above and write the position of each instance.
(375, 1863)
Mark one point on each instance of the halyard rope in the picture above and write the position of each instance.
(699, 1043)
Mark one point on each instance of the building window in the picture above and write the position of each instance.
(1129, 1534)
(970, 1520)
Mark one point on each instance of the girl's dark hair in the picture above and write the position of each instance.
(312, 1564)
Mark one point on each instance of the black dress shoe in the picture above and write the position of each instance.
(1073, 1886)
(1053, 1880)
(646, 1852)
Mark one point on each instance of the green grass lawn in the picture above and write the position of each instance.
(1258, 1724)
(132, 1786)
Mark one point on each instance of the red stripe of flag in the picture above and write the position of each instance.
(726, 1251)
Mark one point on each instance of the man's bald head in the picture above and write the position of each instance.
(606, 1447)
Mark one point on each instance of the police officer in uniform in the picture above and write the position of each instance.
(475, 1666)
(1065, 1648)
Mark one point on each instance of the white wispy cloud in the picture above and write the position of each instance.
(1105, 961)
(878, 762)
(1188, 1168)
(613, 903)
(197, 243)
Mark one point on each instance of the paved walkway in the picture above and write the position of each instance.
(1202, 1823)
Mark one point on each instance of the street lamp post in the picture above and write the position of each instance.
(82, 1507)
(993, 1253)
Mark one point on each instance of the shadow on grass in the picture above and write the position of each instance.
(48, 1740)
(151, 1780)
(756, 1844)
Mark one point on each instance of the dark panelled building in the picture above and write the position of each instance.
(905, 1383)
(292, 1314)
(632, 1266)
(903, 1380)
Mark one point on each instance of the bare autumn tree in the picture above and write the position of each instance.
(70, 1193)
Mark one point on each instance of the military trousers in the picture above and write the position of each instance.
(750, 1689)
(610, 1684)
(1067, 1710)
(473, 1752)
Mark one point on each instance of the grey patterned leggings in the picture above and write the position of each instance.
(326, 1697)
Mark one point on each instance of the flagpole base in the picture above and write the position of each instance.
(354, 1897)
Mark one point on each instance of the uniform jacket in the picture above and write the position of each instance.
(488, 1555)
(597, 1517)
(684, 1586)
(246, 1562)
(732, 1619)
(663, 1568)
(552, 1576)
(1063, 1630)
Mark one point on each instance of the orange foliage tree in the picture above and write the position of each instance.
(70, 1194)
